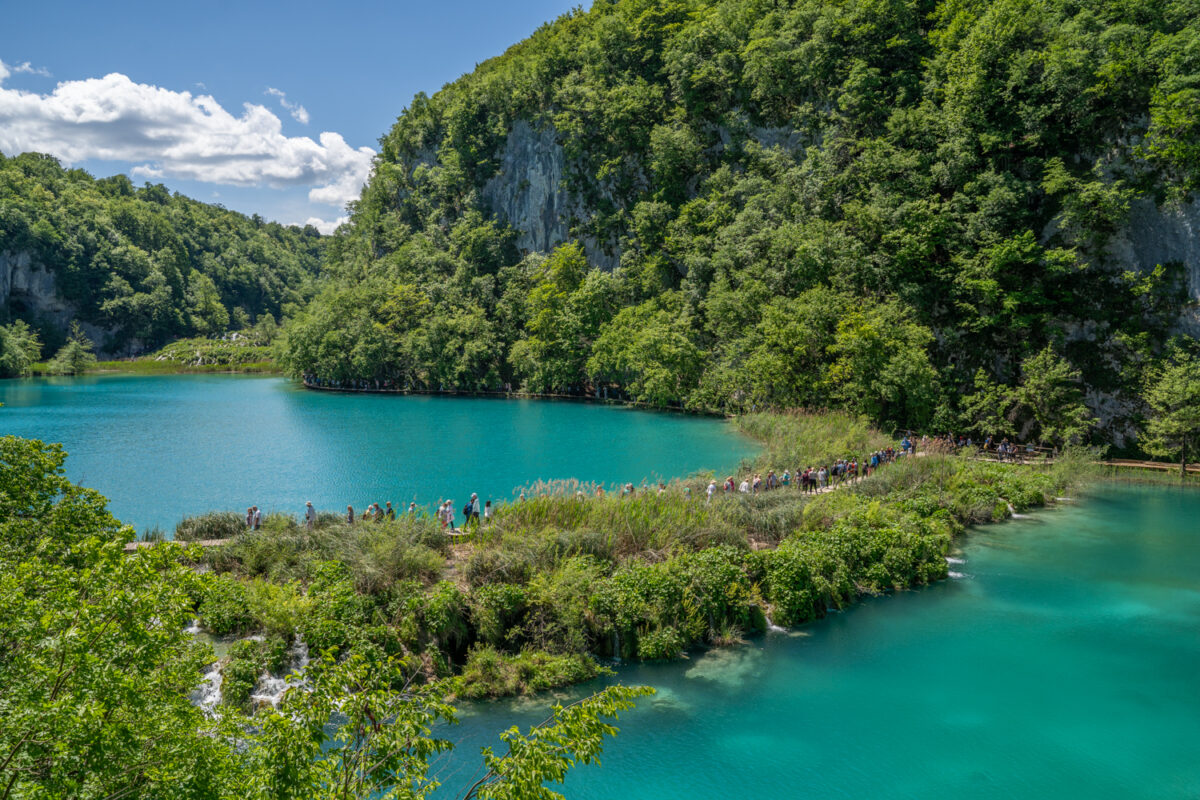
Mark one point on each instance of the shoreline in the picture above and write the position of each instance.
(500, 394)
(775, 546)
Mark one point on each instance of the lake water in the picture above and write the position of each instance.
(1063, 663)
(162, 447)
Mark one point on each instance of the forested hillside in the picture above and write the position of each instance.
(139, 266)
(885, 205)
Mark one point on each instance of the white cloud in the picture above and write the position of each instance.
(298, 112)
(324, 226)
(178, 134)
(22, 68)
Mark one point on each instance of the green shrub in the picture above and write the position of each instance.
(662, 644)
(496, 610)
(224, 607)
(446, 617)
(496, 565)
(278, 609)
(490, 673)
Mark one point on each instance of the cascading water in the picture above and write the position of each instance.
(1013, 513)
(270, 689)
(208, 694)
(616, 646)
(772, 627)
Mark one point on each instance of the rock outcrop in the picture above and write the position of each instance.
(530, 192)
(28, 287)
(28, 290)
(1163, 235)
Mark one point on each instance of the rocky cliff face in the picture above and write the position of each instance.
(28, 290)
(531, 189)
(1161, 235)
(530, 192)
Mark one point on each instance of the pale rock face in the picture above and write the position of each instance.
(529, 191)
(26, 281)
(1159, 235)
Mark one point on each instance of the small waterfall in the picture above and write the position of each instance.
(771, 626)
(194, 628)
(270, 689)
(208, 694)
(1013, 513)
(951, 560)
(616, 646)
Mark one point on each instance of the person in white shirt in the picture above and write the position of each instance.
(745, 487)
(712, 487)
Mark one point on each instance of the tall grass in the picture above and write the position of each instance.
(800, 439)
(213, 525)
(378, 554)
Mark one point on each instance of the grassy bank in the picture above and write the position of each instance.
(559, 584)
(190, 356)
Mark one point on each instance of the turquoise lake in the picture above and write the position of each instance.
(1062, 662)
(163, 447)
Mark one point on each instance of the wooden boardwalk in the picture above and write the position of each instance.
(1159, 465)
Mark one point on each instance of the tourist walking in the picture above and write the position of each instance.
(250, 518)
(257, 518)
(349, 515)
(487, 511)
(310, 516)
(472, 511)
(712, 487)
(391, 512)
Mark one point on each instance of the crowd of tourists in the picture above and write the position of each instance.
(474, 511)
(810, 479)
(1002, 449)
(814, 478)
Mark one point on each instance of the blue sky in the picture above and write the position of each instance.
(159, 90)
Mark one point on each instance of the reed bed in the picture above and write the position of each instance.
(569, 575)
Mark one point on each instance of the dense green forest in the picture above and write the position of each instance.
(143, 264)
(901, 208)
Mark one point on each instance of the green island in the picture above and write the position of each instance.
(557, 584)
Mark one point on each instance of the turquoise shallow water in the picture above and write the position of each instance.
(1064, 662)
(162, 447)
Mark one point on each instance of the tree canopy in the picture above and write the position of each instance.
(147, 265)
(862, 204)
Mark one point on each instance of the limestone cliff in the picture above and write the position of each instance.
(530, 192)
(29, 290)
(532, 188)
(1163, 235)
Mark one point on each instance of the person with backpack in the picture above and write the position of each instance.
(472, 511)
